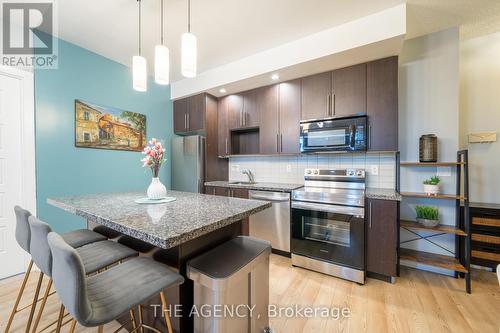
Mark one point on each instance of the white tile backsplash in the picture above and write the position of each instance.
(290, 169)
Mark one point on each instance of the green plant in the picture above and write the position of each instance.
(427, 212)
(434, 180)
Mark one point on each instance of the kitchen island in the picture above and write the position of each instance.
(180, 230)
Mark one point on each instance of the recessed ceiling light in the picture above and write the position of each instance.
(222, 90)
(275, 77)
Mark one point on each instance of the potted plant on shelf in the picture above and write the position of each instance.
(427, 216)
(431, 185)
(154, 160)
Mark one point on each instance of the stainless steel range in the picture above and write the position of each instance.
(327, 224)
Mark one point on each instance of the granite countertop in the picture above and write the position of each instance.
(163, 225)
(279, 187)
(382, 193)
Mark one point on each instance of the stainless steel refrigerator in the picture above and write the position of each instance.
(188, 163)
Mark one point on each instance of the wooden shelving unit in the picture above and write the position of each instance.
(433, 259)
(459, 264)
(445, 229)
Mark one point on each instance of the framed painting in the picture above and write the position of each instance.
(105, 127)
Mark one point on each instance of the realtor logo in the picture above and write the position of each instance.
(27, 34)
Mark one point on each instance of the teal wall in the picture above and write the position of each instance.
(63, 169)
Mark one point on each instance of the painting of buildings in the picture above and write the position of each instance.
(108, 128)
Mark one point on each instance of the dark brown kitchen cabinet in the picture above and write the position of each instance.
(382, 104)
(223, 139)
(180, 115)
(234, 105)
(189, 114)
(289, 116)
(316, 91)
(215, 168)
(235, 193)
(253, 100)
(216, 190)
(269, 127)
(348, 91)
(382, 237)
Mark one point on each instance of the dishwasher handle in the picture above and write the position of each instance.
(269, 196)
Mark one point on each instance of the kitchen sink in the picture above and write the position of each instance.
(242, 183)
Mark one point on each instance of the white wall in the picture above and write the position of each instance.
(290, 169)
(480, 111)
(429, 103)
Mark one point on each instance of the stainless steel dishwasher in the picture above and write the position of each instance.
(272, 224)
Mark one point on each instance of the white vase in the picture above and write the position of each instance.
(431, 189)
(156, 189)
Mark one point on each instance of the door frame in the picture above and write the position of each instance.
(27, 121)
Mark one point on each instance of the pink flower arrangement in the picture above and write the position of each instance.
(154, 156)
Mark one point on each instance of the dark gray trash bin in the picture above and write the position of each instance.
(231, 279)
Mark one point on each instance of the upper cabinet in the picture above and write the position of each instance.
(348, 91)
(289, 112)
(269, 115)
(382, 104)
(334, 94)
(316, 90)
(189, 114)
(253, 101)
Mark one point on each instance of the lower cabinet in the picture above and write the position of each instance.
(235, 193)
(382, 237)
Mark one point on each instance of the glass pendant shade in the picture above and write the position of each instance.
(139, 73)
(162, 64)
(189, 51)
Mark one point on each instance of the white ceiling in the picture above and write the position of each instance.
(228, 30)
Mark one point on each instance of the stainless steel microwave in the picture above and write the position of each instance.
(334, 134)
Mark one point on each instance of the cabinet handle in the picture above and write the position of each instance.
(277, 143)
(241, 118)
(370, 215)
(185, 121)
(327, 105)
(369, 137)
(332, 99)
(188, 126)
(226, 146)
(281, 142)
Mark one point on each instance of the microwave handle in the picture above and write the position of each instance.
(352, 136)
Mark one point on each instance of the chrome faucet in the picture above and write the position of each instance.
(249, 174)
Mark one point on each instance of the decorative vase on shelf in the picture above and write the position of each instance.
(431, 189)
(428, 223)
(156, 189)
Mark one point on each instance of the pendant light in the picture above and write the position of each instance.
(139, 63)
(188, 49)
(162, 61)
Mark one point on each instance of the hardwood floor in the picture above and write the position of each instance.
(418, 302)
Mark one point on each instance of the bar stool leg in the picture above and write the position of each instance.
(165, 314)
(73, 325)
(35, 300)
(42, 306)
(141, 323)
(100, 329)
(60, 319)
(19, 295)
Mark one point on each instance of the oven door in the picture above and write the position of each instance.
(328, 232)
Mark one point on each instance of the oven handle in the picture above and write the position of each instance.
(336, 209)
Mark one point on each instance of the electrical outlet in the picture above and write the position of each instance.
(288, 168)
(374, 170)
(235, 167)
(443, 171)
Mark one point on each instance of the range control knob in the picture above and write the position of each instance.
(316, 172)
(308, 171)
(359, 173)
(350, 173)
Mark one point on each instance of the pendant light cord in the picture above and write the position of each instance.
(140, 32)
(189, 15)
(161, 22)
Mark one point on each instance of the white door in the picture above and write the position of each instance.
(16, 163)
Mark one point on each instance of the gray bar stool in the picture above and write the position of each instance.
(23, 236)
(95, 256)
(99, 299)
